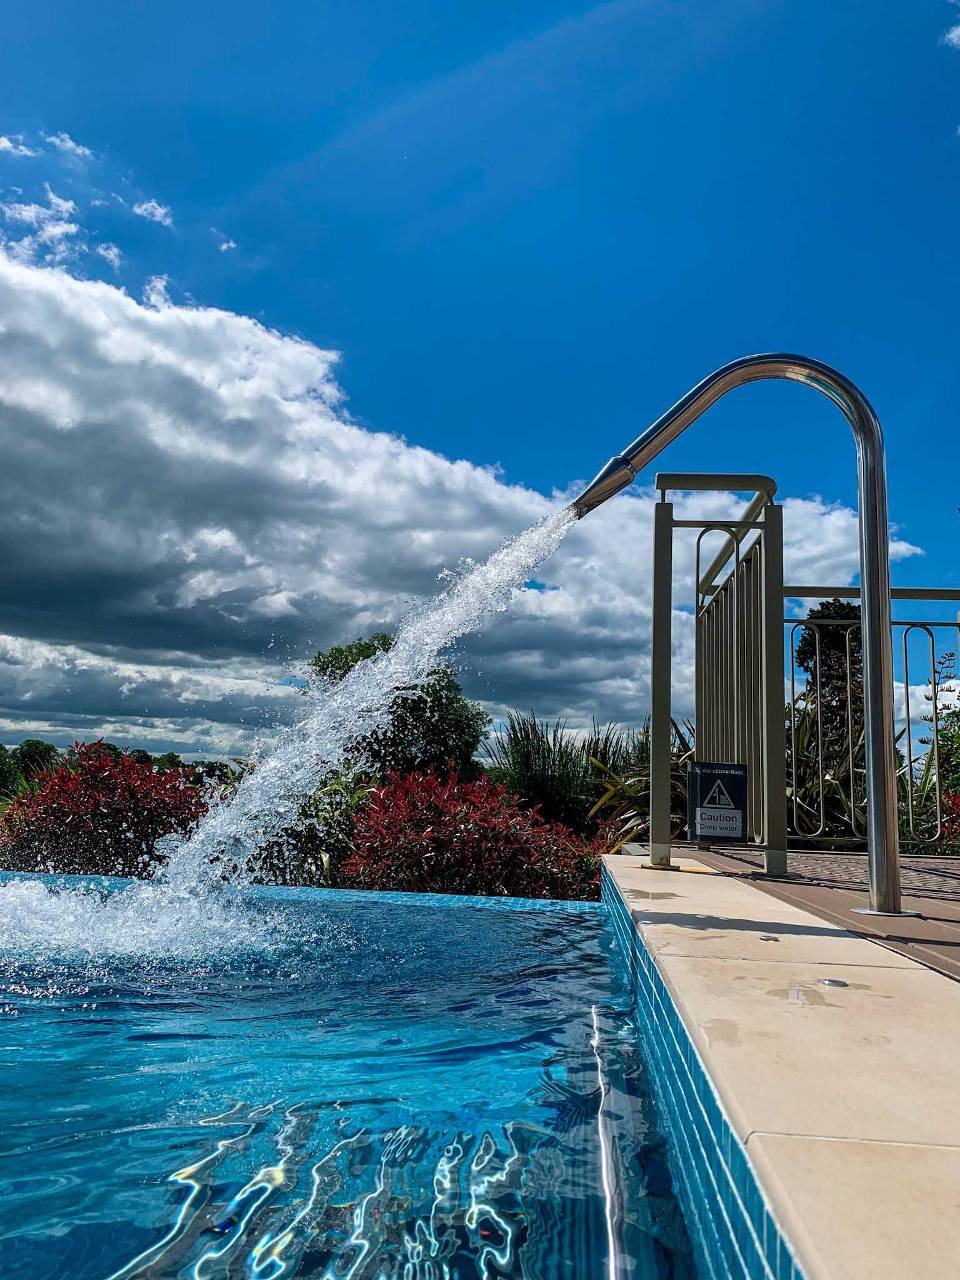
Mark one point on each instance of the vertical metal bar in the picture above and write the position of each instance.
(773, 736)
(736, 661)
(660, 684)
(851, 749)
(794, 771)
(821, 783)
(701, 624)
(935, 743)
(909, 729)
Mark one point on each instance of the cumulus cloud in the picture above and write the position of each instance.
(15, 147)
(154, 212)
(226, 245)
(65, 144)
(184, 496)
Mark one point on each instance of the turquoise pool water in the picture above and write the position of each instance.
(376, 1086)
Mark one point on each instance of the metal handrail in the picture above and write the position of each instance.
(853, 593)
(622, 469)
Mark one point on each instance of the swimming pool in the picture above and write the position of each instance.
(396, 1086)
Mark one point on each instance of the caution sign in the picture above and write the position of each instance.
(717, 800)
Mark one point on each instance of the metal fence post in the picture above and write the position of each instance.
(774, 744)
(660, 684)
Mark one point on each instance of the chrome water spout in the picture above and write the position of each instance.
(621, 470)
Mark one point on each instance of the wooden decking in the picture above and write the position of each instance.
(831, 884)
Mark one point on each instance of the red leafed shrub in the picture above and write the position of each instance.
(422, 833)
(98, 814)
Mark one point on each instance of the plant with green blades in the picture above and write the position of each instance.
(625, 800)
(563, 773)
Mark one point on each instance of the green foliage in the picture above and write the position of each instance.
(949, 737)
(834, 693)
(9, 775)
(34, 756)
(334, 663)
(948, 722)
(625, 801)
(220, 772)
(168, 760)
(431, 725)
(563, 773)
(313, 852)
(814, 810)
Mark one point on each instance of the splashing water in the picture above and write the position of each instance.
(188, 909)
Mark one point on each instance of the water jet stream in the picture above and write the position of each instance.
(187, 906)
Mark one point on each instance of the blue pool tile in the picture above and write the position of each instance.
(736, 1234)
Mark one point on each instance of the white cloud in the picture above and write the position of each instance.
(181, 488)
(155, 292)
(154, 211)
(59, 205)
(225, 245)
(111, 253)
(51, 228)
(15, 146)
(64, 143)
(952, 37)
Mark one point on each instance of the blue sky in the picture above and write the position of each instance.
(573, 211)
(530, 227)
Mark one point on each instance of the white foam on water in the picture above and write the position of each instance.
(184, 909)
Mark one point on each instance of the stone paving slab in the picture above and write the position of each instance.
(831, 1195)
(833, 884)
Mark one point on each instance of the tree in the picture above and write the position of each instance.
(34, 756)
(432, 725)
(219, 772)
(827, 722)
(9, 774)
(834, 670)
(168, 760)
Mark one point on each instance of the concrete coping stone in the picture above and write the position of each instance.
(836, 1060)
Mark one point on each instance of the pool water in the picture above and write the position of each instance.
(395, 1086)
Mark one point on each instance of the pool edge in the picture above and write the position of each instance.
(731, 1219)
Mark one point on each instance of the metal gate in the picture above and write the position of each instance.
(739, 657)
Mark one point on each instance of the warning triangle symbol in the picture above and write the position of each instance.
(719, 798)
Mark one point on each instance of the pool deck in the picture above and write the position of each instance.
(836, 1059)
(832, 884)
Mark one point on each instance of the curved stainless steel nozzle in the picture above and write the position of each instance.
(616, 475)
(881, 763)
